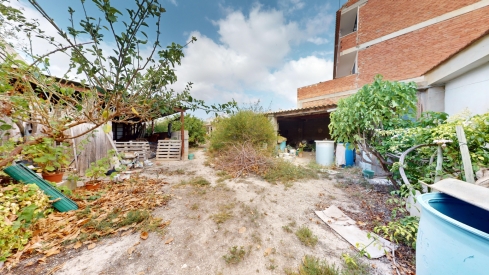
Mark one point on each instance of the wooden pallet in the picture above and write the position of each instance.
(140, 147)
(169, 150)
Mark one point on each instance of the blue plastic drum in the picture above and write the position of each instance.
(453, 237)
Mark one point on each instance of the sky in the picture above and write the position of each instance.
(245, 50)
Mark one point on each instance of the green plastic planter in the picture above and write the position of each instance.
(190, 156)
(25, 175)
(369, 174)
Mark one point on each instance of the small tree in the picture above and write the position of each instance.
(195, 128)
(381, 105)
(244, 126)
(116, 86)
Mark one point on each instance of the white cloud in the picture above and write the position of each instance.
(250, 58)
(291, 5)
(298, 73)
(174, 2)
(317, 40)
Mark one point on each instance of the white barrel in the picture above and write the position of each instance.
(324, 152)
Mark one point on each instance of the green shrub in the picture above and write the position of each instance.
(194, 126)
(241, 127)
(403, 230)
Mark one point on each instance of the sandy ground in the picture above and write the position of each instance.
(195, 244)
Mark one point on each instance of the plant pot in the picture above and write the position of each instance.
(92, 185)
(300, 154)
(56, 177)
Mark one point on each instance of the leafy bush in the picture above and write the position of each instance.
(243, 126)
(20, 206)
(400, 231)
(195, 127)
(435, 126)
(381, 105)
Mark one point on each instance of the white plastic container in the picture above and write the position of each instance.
(340, 154)
(324, 152)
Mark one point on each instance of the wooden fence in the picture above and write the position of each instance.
(94, 146)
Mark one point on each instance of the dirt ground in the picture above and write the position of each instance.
(207, 221)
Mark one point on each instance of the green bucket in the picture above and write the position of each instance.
(190, 156)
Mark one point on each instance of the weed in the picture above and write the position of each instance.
(286, 172)
(134, 216)
(256, 238)
(287, 229)
(195, 181)
(271, 265)
(313, 165)
(179, 172)
(224, 214)
(194, 206)
(306, 237)
(353, 265)
(252, 213)
(235, 255)
(313, 266)
(340, 176)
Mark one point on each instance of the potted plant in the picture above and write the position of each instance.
(50, 159)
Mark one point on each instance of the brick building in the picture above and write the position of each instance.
(441, 45)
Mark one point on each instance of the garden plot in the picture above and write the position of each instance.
(219, 225)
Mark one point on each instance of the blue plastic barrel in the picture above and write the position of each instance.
(453, 237)
(349, 155)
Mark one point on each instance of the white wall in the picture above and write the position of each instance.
(468, 91)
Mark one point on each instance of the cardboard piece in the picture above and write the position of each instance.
(346, 228)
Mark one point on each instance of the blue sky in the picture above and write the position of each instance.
(246, 50)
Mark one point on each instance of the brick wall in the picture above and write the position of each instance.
(381, 17)
(413, 54)
(409, 55)
(328, 87)
(348, 41)
(349, 3)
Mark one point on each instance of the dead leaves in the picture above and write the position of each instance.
(168, 241)
(78, 244)
(101, 213)
(52, 251)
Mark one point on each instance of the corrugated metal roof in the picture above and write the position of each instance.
(327, 107)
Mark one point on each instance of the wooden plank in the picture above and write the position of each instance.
(168, 150)
(469, 173)
(141, 147)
